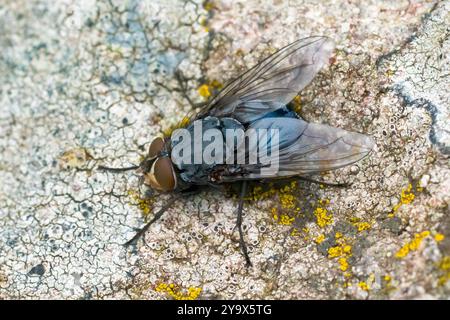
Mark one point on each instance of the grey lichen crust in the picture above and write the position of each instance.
(84, 83)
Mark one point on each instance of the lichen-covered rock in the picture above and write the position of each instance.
(84, 83)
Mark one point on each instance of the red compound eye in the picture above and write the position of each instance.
(156, 147)
(162, 175)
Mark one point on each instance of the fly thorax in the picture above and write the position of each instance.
(203, 145)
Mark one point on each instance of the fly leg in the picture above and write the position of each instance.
(158, 215)
(181, 79)
(242, 243)
(329, 184)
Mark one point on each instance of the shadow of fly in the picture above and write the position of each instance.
(256, 101)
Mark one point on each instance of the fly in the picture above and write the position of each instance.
(256, 100)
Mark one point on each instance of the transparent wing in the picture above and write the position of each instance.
(272, 83)
(304, 148)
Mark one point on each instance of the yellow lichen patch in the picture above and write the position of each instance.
(208, 5)
(443, 279)
(282, 219)
(274, 212)
(258, 193)
(304, 232)
(285, 194)
(438, 237)
(291, 187)
(204, 24)
(287, 201)
(286, 220)
(342, 251)
(360, 225)
(320, 238)
(204, 91)
(145, 205)
(413, 245)
(182, 124)
(339, 250)
(347, 249)
(444, 265)
(297, 104)
(335, 252)
(323, 218)
(177, 293)
(207, 89)
(286, 210)
(364, 286)
(390, 72)
(388, 283)
(343, 264)
(406, 197)
(215, 84)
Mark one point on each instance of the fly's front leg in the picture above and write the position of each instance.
(183, 89)
(242, 243)
(158, 215)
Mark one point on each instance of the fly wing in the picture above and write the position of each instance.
(272, 83)
(303, 148)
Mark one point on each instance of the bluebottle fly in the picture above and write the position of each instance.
(257, 99)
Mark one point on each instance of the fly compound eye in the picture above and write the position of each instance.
(156, 147)
(162, 175)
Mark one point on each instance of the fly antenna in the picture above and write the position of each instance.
(109, 169)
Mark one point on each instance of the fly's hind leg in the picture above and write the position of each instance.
(242, 243)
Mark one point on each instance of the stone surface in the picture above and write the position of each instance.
(85, 83)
